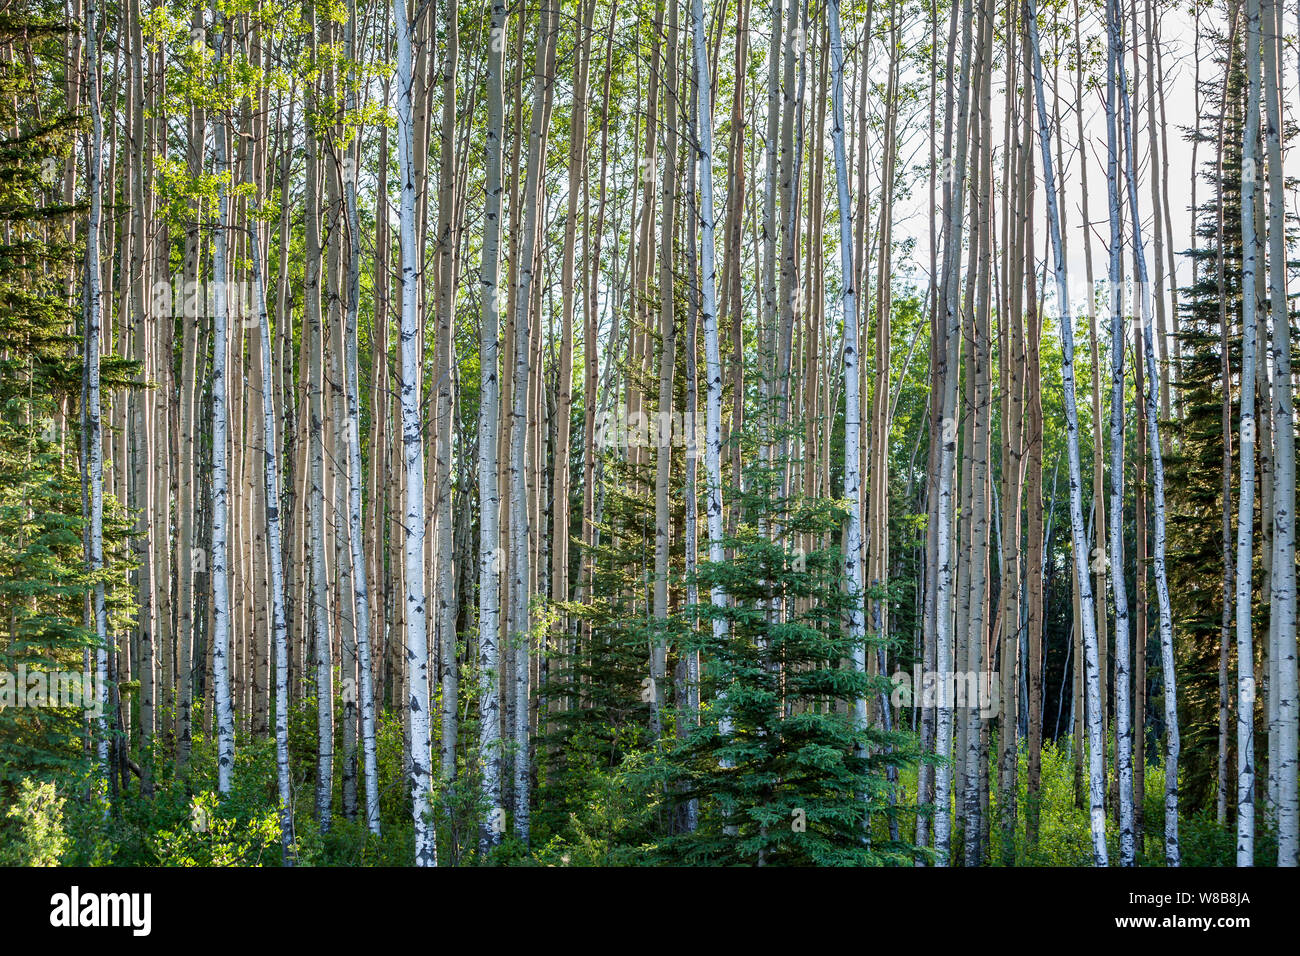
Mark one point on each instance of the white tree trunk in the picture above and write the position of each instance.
(662, 430)
(417, 648)
(445, 369)
(1282, 600)
(1167, 664)
(1246, 493)
(709, 310)
(95, 463)
(1119, 342)
(490, 554)
(225, 715)
(955, 168)
(352, 386)
(1096, 741)
(520, 627)
(853, 570)
(274, 556)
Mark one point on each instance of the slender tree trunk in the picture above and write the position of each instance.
(1250, 265)
(445, 370)
(490, 552)
(417, 647)
(1283, 688)
(955, 169)
(709, 311)
(225, 714)
(1168, 667)
(271, 458)
(667, 366)
(853, 570)
(519, 627)
(94, 307)
(360, 578)
(1118, 348)
(1096, 747)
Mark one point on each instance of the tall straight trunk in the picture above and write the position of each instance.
(1140, 605)
(955, 167)
(225, 714)
(314, 341)
(1033, 446)
(571, 275)
(95, 463)
(1118, 348)
(143, 451)
(1167, 663)
(689, 666)
(591, 361)
(662, 430)
(490, 553)
(352, 385)
(709, 312)
(189, 554)
(1098, 557)
(853, 570)
(977, 450)
(1283, 687)
(771, 229)
(1225, 374)
(338, 571)
(925, 773)
(380, 454)
(1096, 746)
(417, 647)
(733, 295)
(1250, 265)
(519, 626)
(1013, 462)
(1159, 173)
(445, 368)
(275, 560)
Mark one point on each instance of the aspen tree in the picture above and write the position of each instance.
(1011, 321)
(143, 452)
(979, 390)
(1246, 442)
(1283, 686)
(955, 166)
(853, 570)
(1034, 550)
(519, 626)
(708, 310)
(1229, 558)
(1118, 348)
(445, 369)
(187, 427)
(571, 274)
(225, 716)
(352, 384)
(490, 551)
(279, 625)
(689, 668)
(94, 309)
(1096, 749)
(417, 648)
(667, 366)
(1172, 851)
(1098, 557)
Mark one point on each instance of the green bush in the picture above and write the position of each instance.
(40, 838)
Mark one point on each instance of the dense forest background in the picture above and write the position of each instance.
(588, 432)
